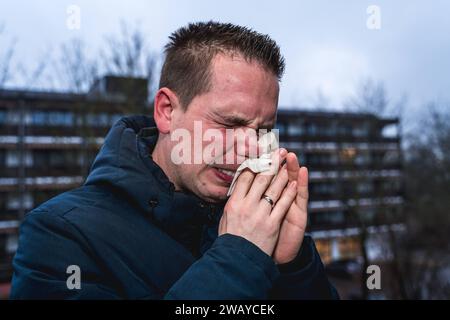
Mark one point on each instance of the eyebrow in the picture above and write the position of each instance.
(238, 121)
(235, 120)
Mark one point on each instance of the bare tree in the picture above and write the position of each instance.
(18, 72)
(32, 77)
(126, 54)
(6, 58)
(74, 67)
(370, 97)
(129, 54)
(424, 257)
(420, 256)
(320, 101)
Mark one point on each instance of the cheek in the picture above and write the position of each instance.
(197, 172)
(213, 146)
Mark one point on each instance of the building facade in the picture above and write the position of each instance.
(47, 143)
(355, 181)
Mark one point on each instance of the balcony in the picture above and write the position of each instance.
(51, 142)
(337, 138)
(14, 130)
(42, 183)
(317, 176)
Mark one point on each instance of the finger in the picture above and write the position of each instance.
(263, 179)
(243, 184)
(277, 186)
(277, 161)
(292, 166)
(302, 189)
(285, 202)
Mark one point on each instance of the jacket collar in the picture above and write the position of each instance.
(124, 163)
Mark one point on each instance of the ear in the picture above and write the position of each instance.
(165, 102)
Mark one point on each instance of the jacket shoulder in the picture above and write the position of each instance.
(84, 196)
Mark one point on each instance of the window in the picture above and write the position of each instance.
(60, 118)
(115, 118)
(345, 129)
(348, 155)
(367, 214)
(323, 188)
(97, 119)
(390, 131)
(38, 118)
(390, 157)
(40, 158)
(327, 130)
(12, 117)
(2, 158)
(103, 119)
(294, 129)
(324, 249)
(91, 119)
(329, 217)
(364, 187)
(3, 115)
(362, 159)
(13, 158)
(16, 201)
(349, 247)
(42, 196)
(281, 128)
(361, 130)
(11, 243)
(311, 129)
(321, 159)
(57, 159)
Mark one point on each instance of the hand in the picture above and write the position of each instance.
(247, 215)
(294, 224)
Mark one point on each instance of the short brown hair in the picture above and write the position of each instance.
(186, 69)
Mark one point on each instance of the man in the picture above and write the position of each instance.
(146, 226)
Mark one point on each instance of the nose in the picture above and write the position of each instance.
(243, 144)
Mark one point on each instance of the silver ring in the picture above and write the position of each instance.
(268, 199)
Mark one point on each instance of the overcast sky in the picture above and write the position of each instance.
(327, 44)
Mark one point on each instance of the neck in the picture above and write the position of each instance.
(161, 156)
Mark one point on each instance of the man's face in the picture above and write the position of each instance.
(243, 96)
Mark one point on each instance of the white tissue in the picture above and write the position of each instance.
(267, 143)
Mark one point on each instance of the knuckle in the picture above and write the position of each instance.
(292, 192)
(231, 206)
(304, 195)
(271, 193)
(283, 203)
(288, 198)
(247, 178)
(262, 179)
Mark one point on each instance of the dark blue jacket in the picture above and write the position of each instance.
(134, 237)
